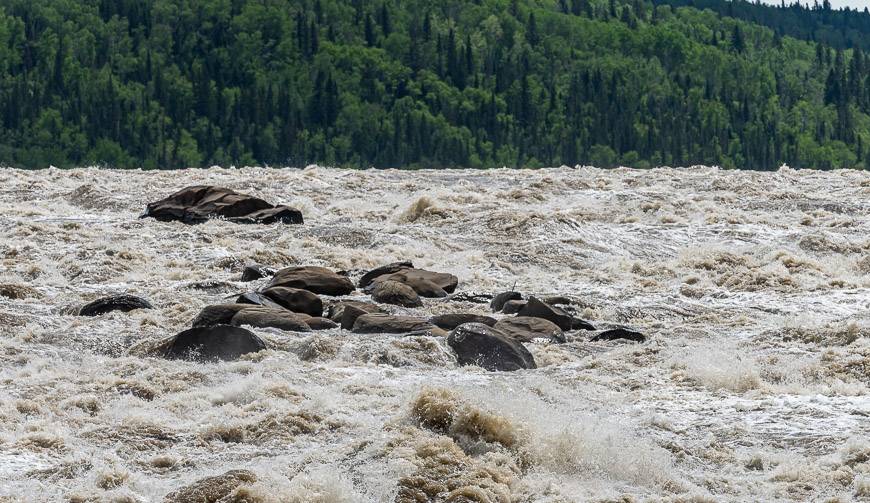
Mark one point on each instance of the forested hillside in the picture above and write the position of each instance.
(425, 83)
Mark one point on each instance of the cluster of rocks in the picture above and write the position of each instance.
(291, 300)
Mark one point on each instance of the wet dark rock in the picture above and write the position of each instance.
(197, 204)
(319, 280)
(351, 312)
(335, 310)
(256, 299)
(219, 314)
(527, 329)
(513, 306)
(212, 489)
(395, 267)
(619, 333)
(393, 292)
(453, 320)
(559, 299)
(318, 323)
(254, 272)
(537, 309)
(219, 342)
(425, 283)
(473, 297)
(484, 346)
(296, 300)
(578, 324)
(125, 303)
(379, 323)
(502, 298)
(266, 317)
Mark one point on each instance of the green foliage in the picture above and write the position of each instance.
(172, 83)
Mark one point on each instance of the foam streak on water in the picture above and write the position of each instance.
(753, 287)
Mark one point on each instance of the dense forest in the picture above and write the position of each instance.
(426, 83)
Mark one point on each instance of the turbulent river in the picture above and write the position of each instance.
(752, 288)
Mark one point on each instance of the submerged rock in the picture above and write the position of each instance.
(393, 292)
(266, 317)
(537, 309)
(319, 280)
(395, 267)
(498, 302)
(484, 346)
(578, 324)
(379, 323)
(212, 489)
(453, 320)
(218, 342)
(253, 272)
(557, 299)
(199, 203)
(296, 300)
(125, 303)
(527, 329)
(619, 333)
(318, 323)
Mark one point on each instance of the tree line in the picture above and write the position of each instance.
(422, 83)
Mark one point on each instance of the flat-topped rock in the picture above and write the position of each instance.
(266, 317)
(527, 329)
(319, 280)
(453, 320)
(379, 323)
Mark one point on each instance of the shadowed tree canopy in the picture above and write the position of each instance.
(417, 83)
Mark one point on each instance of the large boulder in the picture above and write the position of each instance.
(425, 283)
(484, 346)
(537, 309)
(393, 292)
(266, 317)
(319, 280)
(218, 342)
(395, 267)
(527, 329)
(212, 489)
(619, 333)
(500, 299)
(295, 299)
(199, 203)
(379, 323)
(253, 272)
(125, 303)
(453, 320)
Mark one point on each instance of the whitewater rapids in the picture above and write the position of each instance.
(753, 288)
